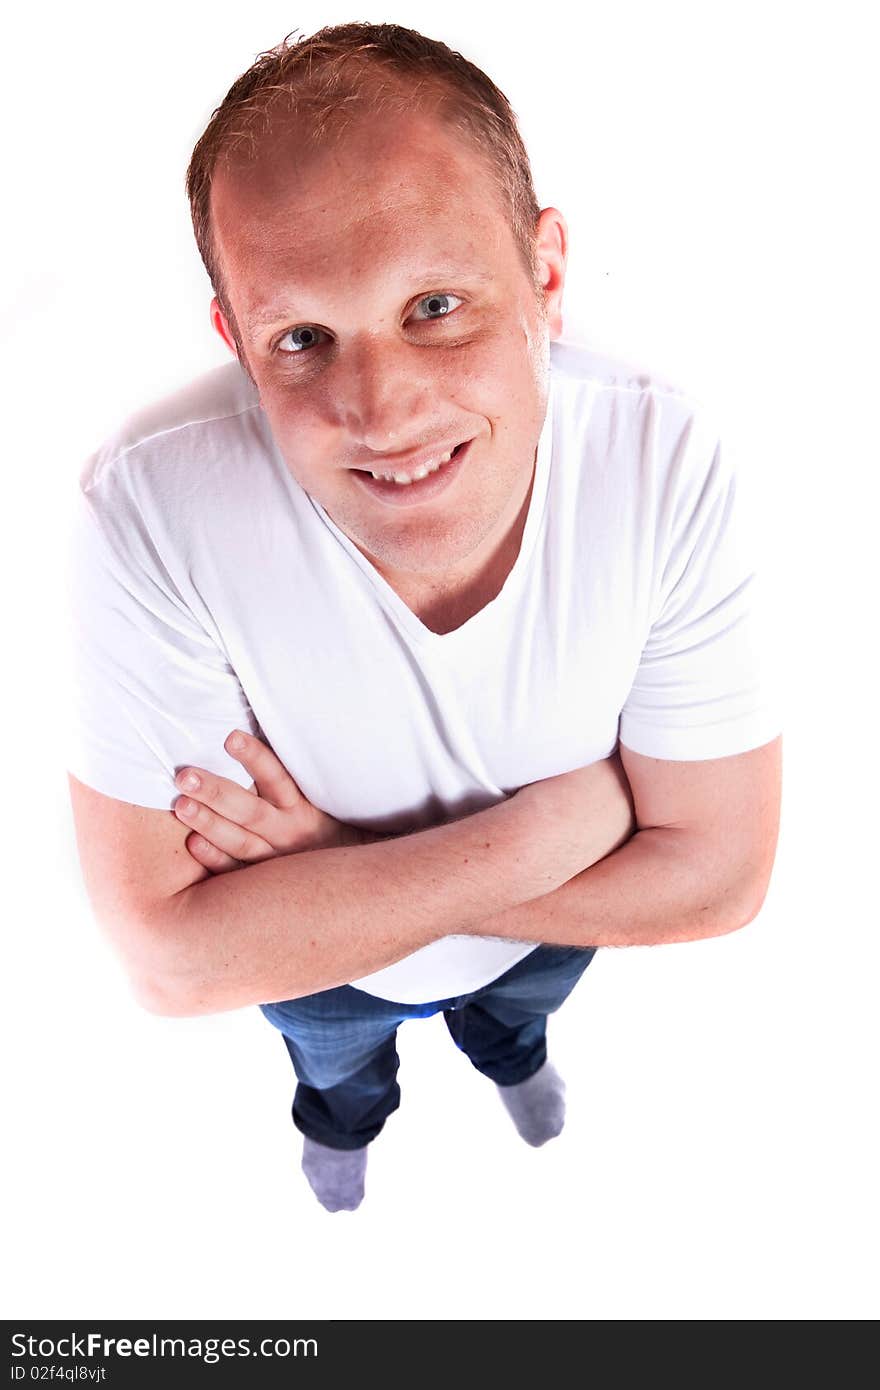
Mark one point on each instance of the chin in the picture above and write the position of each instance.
(435, 550)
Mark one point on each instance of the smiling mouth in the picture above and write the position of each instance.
(402, 478)
(425, 483)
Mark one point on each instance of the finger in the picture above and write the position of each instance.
(239, 805)
(231, 839)
(271, 778)
(209, 856)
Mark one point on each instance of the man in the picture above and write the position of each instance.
(433, 587)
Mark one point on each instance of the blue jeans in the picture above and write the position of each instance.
(342, 1041)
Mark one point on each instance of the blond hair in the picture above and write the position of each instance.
(348, 71)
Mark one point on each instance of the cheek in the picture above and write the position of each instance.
(294, 423)
(493, 379)
(291, 411)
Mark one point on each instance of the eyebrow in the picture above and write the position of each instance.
(266, 314)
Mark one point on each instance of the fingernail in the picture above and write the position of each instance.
(236, 741)
(185, 806)
(189, 780)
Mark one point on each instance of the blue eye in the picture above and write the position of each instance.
(311, 334)
(439, 306)
(439, 303)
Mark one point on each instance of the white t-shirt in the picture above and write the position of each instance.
(209, 591)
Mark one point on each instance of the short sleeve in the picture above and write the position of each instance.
(705, 685)
(150, 690)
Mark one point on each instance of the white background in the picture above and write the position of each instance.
(715, 164)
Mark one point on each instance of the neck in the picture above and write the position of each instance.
(444, 602)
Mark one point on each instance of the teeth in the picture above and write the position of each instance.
(421, 471)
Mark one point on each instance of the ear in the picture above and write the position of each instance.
(552, 252)
(221, 323)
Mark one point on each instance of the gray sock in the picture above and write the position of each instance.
(536, 1105)
(336, 1175)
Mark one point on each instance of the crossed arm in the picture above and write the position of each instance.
(628, 851)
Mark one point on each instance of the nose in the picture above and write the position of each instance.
(385, 395)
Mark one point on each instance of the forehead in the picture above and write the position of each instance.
(391, 190)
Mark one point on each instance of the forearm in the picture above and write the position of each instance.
(300, 923)
(664, 885)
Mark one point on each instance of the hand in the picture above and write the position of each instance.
(234, 825)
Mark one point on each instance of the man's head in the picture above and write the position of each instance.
(364, 207)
